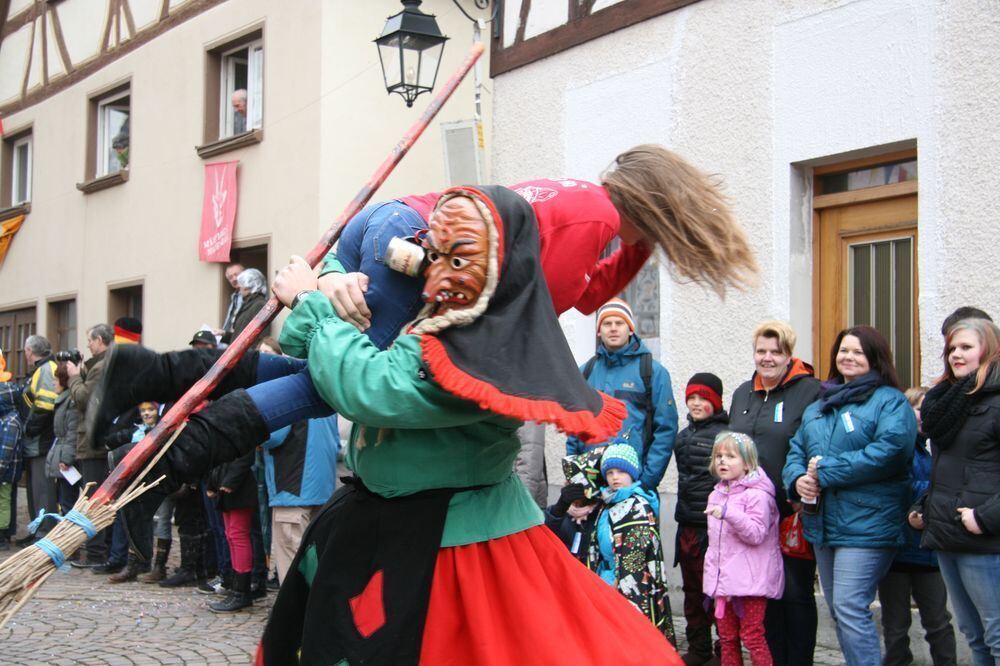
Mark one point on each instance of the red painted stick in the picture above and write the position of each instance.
(136, 459)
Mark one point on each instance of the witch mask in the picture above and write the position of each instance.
(457, 245)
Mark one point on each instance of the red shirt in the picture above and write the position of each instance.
(576, 221)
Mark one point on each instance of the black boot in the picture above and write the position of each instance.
(228, 428)
(237, 599)
(134, 374)
(699, 646)
(159, 570)
(192, 570)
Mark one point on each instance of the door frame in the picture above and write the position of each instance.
(821, 202)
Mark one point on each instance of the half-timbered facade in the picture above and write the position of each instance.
(111, 109)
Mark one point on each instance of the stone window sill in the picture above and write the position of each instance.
(14, 211)
(103, 182)
(214, 148)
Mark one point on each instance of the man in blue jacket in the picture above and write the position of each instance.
(625, 369)
(300, 468)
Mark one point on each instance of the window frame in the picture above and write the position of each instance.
(24, 140)
(103, 146)
(217, 117)
(93, 180)
(255, 85)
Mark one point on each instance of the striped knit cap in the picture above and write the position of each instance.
(616, 307)
(623, 457)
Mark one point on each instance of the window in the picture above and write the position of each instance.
(880, 294)
(62, 324)
(234, 93)
(15, 169)
(125, 302)
(21, 171)
(241, 97)
(113, 145)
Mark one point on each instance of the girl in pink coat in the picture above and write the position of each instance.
(743, 566)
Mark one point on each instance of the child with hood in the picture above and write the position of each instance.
(626, 551)
(743, 567)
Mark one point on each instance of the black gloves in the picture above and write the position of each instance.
(569, 494)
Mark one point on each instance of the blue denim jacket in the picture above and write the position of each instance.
(392, 297)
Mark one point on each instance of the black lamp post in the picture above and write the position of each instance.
(410, 50)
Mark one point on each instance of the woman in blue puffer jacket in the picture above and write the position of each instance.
(852, 455)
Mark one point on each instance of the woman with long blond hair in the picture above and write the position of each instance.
(649, 198)
(960, 515)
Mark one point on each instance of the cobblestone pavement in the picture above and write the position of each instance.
(79, 618)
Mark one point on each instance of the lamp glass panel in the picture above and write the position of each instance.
(389, 53)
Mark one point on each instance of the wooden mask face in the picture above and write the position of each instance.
(457, 244)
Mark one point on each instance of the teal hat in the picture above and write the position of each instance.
(623, 457)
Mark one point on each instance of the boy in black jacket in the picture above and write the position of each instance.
(693, 452)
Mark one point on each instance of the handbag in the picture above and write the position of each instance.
(793, 539)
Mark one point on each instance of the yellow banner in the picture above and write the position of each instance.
(7, 230)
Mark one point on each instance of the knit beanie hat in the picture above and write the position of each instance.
(707, 386)
(623, 457)
(128, 330)
(616, 307)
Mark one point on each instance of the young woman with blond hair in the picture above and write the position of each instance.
(960, 515)
(649, 197)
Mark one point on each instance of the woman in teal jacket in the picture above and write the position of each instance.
(850, 460)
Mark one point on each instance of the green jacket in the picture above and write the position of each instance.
(409, 434)
(80, 387)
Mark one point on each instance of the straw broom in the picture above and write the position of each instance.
(23, 573)
(18, 574)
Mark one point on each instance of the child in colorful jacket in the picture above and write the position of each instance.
(743, 567)
(11, 430)
(626, 551)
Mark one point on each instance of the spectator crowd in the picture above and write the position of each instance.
(879, 489)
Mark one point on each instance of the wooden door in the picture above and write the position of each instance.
(15, 327)
(865, 271)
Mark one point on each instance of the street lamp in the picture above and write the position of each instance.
(410, 50)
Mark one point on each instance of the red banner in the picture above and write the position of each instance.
(218, 211)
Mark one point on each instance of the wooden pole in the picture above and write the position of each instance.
(133, 463)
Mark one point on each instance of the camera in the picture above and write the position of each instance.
(70, 356)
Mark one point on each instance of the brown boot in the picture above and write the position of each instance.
(129, 573)
(159, 570)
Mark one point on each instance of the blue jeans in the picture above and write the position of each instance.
(284, 393)
(119, 541)
(850, 577)
(973, 583)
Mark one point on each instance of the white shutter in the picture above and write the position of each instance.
(463, 152)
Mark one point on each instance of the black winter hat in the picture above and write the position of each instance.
(707, 386)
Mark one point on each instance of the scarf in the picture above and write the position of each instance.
(607, 568)
(835, 395)
(944, 410)
(507, 352)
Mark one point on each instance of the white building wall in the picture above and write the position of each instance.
(758, 92)
(327, 124)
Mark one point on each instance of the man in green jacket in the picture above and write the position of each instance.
(91, 457)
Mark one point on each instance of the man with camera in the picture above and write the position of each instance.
(40, 401)
(91, 457)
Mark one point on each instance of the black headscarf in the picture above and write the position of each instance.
(513, 359)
